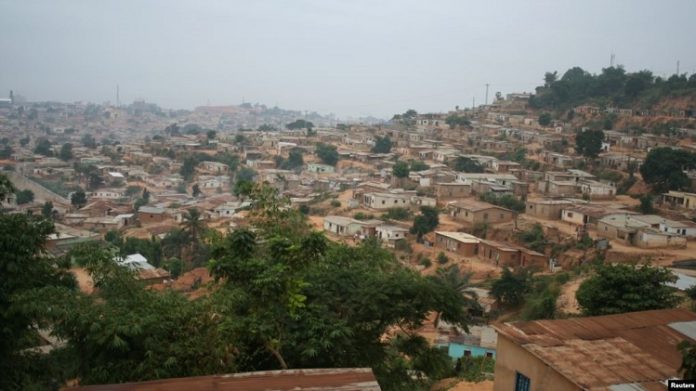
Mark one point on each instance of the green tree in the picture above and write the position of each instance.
(511, 288)
(455, 120)
(615, 289)
(243, 188)
(174, 266)
(453, 278)
(664, 169)
(327, 153)
(283, 299)
(244, 181)
(65, 153)
(188, 168)
(646, 204)
(688, 365)
(195, 190)
(550, 78)
(300, 124)
(89, 141)
(589, 142)
(426, 222)
(267, 128)
(465, 164)
(47, 210)
(140, 202)
(6, 152)
(545, 119)
(78, 199)
(24, 141)
(382, 145)
(24, 269)
(397, 213)
(133, 190)
(24, 196)
(194, 226)
(211, 135)
(6, 188)
(506, 201)
(43, 147)
(419, 165)
(173, 243)
(534, 238)
(295, 160)
(400, 169)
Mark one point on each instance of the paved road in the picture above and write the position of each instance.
(40, 193)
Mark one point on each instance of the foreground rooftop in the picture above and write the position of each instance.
(339, 379)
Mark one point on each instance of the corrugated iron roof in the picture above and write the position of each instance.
(686, 328)
(602, 351)
(349, 379)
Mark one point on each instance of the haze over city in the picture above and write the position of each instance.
(352, 58)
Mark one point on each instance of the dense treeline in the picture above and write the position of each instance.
(613, 86)
(284, 297)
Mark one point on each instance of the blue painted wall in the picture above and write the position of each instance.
(456, 350)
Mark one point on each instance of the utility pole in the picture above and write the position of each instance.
(487, 93)
(473, 102)
(611, 60)
(118, 96)
(677, 67)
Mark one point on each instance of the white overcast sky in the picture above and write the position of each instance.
(348, 57)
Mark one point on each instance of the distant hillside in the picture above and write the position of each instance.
(615, 87)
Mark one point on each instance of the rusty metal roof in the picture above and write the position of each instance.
(602, 351)
(348, 379)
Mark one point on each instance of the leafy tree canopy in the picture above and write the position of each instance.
(425, 222)
(299, 124)
(664, 169)
(66, 152)
(465, 164)
(589, 142)
(285, 297)
(613, 85)
(545, 119)
(454, 120)
(400, 169)
(43, 147)
(327, 153)
(24, 196)
(615, 289)
(382, 145)
(78, 199)
(511, 288)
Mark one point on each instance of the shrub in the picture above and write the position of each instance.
(506, 201)
(363, 216)
(442, 258)
(397, 214)
(534, 238)
(335, 203)
(403, 245)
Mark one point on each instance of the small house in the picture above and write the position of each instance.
(476, 212)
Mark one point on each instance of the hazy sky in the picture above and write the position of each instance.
(349, 57)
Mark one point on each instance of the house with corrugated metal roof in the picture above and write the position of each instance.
(632, 351)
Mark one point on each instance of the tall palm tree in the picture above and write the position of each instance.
(193, 227)
(453, 278)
